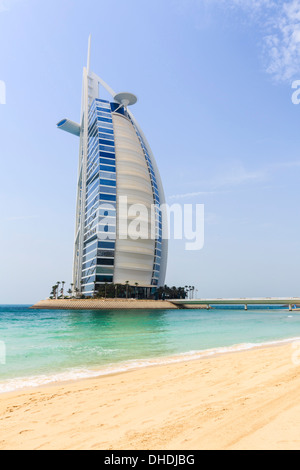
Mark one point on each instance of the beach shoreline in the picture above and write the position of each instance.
(35, 382)
(227, 401)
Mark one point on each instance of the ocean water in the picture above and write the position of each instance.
(43, 346)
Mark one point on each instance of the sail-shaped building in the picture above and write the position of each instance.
(116, 169)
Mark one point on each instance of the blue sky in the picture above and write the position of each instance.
(214, 82)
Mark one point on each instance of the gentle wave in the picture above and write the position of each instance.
(11, 385)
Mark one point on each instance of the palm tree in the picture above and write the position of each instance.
(116, 290)
(58, 282)
(53, 292)
(136, 285)
(72, 288)
(186, 290)
(182, 293)
(62, 288)
(193, 289)
(127, 284)
(56, 290)
(173, 292)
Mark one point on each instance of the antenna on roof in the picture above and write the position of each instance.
(89, 54)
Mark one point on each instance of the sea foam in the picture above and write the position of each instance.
(21, 383)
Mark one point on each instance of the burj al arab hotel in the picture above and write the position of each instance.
(115, 164)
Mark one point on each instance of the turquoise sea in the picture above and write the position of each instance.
(43, 346)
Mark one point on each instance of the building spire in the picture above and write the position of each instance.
(89, 54)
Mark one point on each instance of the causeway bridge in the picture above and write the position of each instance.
(289, 302)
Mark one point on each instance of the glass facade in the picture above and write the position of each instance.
(100, 203)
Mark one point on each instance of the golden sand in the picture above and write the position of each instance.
(245, 400)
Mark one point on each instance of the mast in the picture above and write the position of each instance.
(83, 157)
(89, 55)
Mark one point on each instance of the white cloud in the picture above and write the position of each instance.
(285, 165)
(190, 195)
(279, 23)
(21, 217)
(280, 26)
(5, 5)
(225, 181)
(250, 5)
(238, 176)
(283, 44)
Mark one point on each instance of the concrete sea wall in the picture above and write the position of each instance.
(100, 304)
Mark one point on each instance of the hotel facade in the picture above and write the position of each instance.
(117, 171)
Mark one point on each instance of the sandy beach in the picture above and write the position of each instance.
(244, 400)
